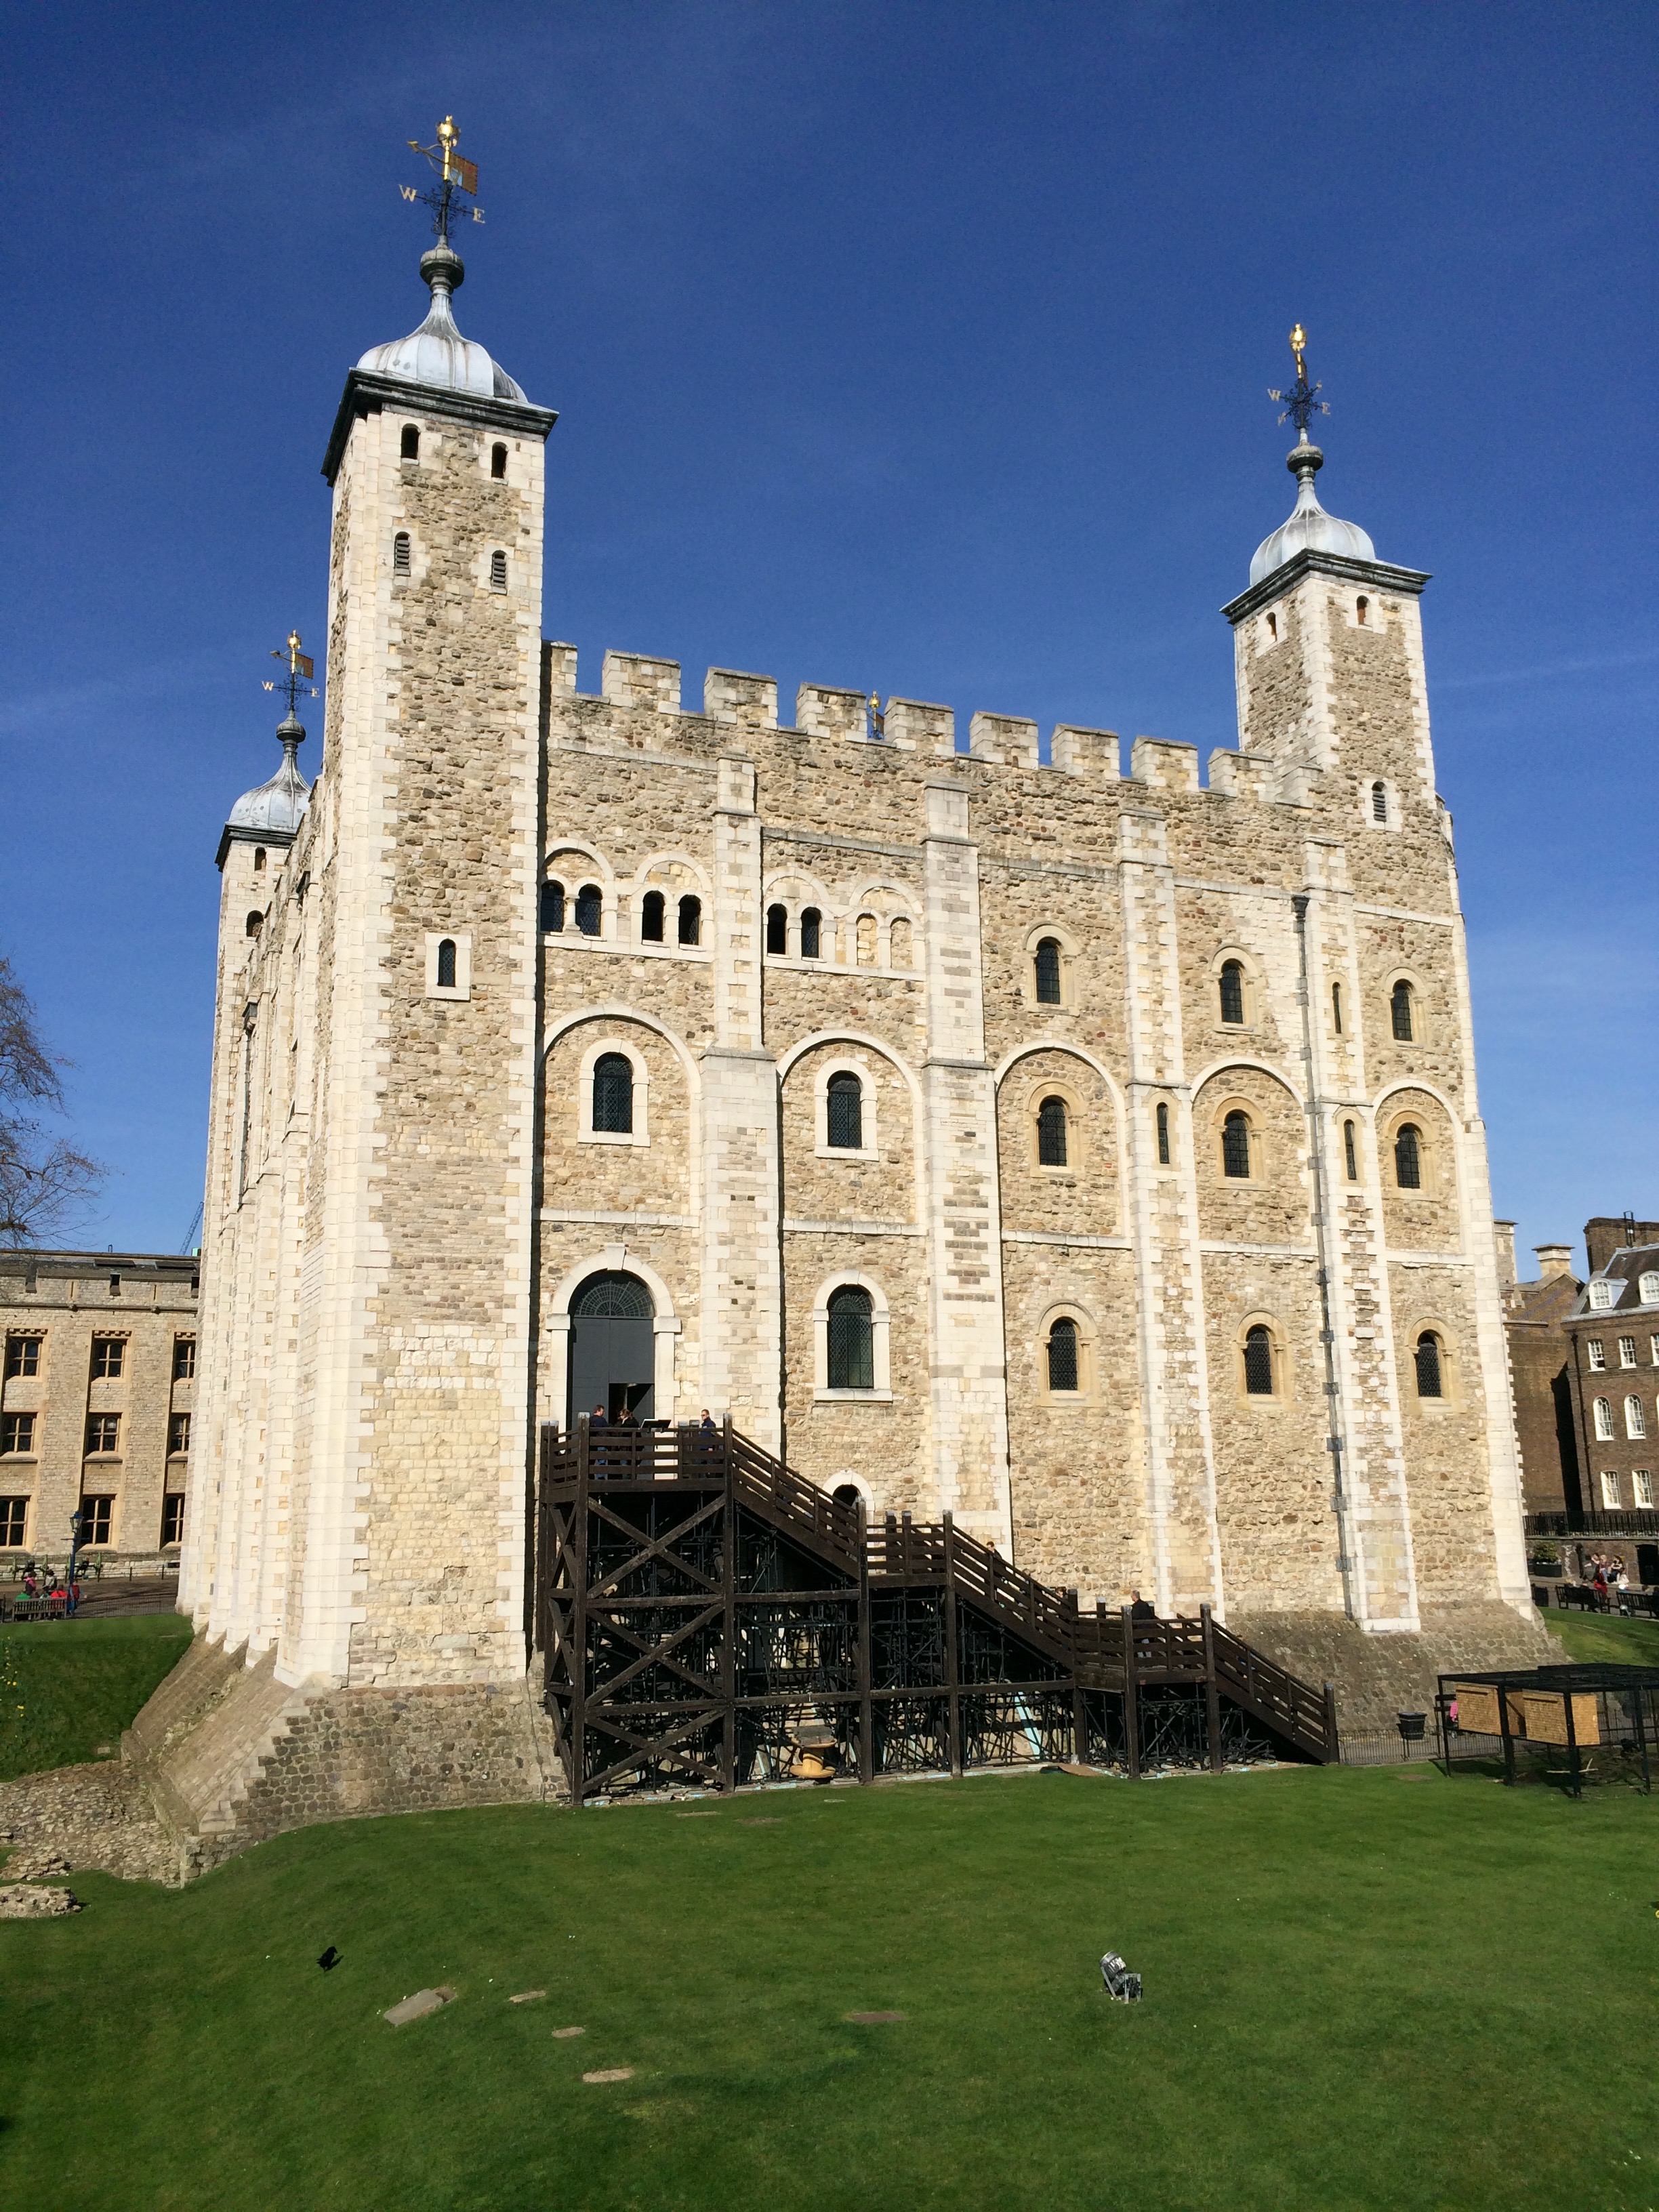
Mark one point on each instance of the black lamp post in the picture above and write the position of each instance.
(75, 1553)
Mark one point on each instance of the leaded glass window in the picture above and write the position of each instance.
(613, 1094)
(1062, 1355)
(852, 1364)
(1236, 1145)
(845, 1103)
(1051, 1133)
(1259, 1361)
(1048, 972)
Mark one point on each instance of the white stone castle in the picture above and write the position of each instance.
(1096, 1155)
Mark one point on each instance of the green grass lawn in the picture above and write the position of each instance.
(1377, 1989)
(1604, 1637)
(69, 1687)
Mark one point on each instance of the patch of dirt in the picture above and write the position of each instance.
(74, 1818)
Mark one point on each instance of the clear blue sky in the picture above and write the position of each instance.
(921, 347)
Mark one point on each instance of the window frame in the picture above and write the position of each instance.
(1602, 1420)
(183, 1360)
(98, 1420)
(1278, 1362)
(1225, 1112)
(18, 1423)
(869, 1109)
(602, 1049)
(14, 1508)
(881, 1393)
(173, 1510)
(94, 1498)
(1610, 1501)
(461, 988)
(103, 1342)
(28, 1362)
(178, 1435)
(1413, 990)
(1636, 1418)
(1067, 950)
(1595, 1355)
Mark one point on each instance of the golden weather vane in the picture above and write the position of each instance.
(296, 679)
(454, 173)
(1301, 402)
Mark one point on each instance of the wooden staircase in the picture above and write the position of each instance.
(697, 1601)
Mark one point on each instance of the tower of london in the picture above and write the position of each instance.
(1059, 1133)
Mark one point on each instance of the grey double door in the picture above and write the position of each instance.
(612, 1348)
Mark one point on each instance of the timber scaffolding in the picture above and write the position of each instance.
(705, 1615)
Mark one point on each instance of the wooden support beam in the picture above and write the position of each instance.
(1211, 1693)
(952, 1671)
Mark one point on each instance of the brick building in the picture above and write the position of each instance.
(1095, 1155)
(96, 1401)
(1612, 1369)
(1535, 1318)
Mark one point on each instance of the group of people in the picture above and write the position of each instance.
(1606, 1575)
(57, 1590)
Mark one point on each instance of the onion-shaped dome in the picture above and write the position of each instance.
(275, 809)
(437, 354)
(1309, 525)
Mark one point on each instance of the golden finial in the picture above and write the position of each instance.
(454, 173)
(1298, 343)
(878, 720)
(300, 669)
(1301, 402)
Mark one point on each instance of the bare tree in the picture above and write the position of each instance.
(46, 1185)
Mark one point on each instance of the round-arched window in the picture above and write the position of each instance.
(612, 1298)
(589, 907)
(1046, 968)
(851, 1348)
(1051, 1134)
(1062, 1355)
(1401, 1012)
(1431, 1372)
(651, 918)
(613, 1094)
(844, 1101)
(1259, 1361)
(1232, 991)
(1236, 1145)
(1408, 1156)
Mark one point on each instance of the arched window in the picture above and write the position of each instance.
(864, 940)
(613, 1094)
(400, 554)
(690, 921)
(446, 964)
(848, 1494)
(1051, 1134)
(1408, 1156)
(1603, 1413)
(1362, 607)
(255, 923)
(844, 1118)
(409, 449)
(258, 859)
(590, 908)
(1635, 1421)
(498, 462)
(552, 906)
(852, 1363)
(1048, 972)
(1259, 1361)
(1430, 1375)
(1273, 626)
(1379, 802)
(498, 571)
(651, 917)
(1647, 1289)
(1236, 1145)
(1232, 991)
(1400, 1009)
(1162, 1134)
(1062, 1355)
(1336, 1007)
(1350, 1152)
(811, 922)
(777, 929)
(898, 943)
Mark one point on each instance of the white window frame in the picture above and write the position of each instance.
(1596, 1354)
(844, 1064)
(1601, 1296)
(1648, 1287)
(880, 1365)
(1635, 1419)
(1609, 1491)
(1641, 1483)
(462, 941)
(1627, 1351)
(1603, 1421)
(641, 1131)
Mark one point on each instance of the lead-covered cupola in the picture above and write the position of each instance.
(436, 354)
(271, 814)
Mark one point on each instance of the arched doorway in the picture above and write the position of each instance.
(612, 1348)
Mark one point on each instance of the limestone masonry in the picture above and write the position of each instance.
(992, 1126)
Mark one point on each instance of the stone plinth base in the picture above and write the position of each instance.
(1378, 1676)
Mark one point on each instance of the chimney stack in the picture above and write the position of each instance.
(1554, 1260)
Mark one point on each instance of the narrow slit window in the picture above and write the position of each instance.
(852, 1347)
(1402, 1014)
(690, 921)
(254, 924)
(1379, 802)
(1430, 1377)
(1408, 1156)
(409, 448)
(1336, 1007)
(498, 571)
(446, 964)
(777, 929)
(1273, 626)
(552, 908)
(1048, 972)
(652, 909)
(498, 462)
(590, 909)
(1362, 607)
(1062, 1355)
(844, 1102)
(1236, 1146)
(1232, 991)
(400, 554)
(1051, 1134)
(258, 859)
(1259, 1361)
(1350, 1152)
(1162, 1134)
(613, 1094)
(812, 926)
